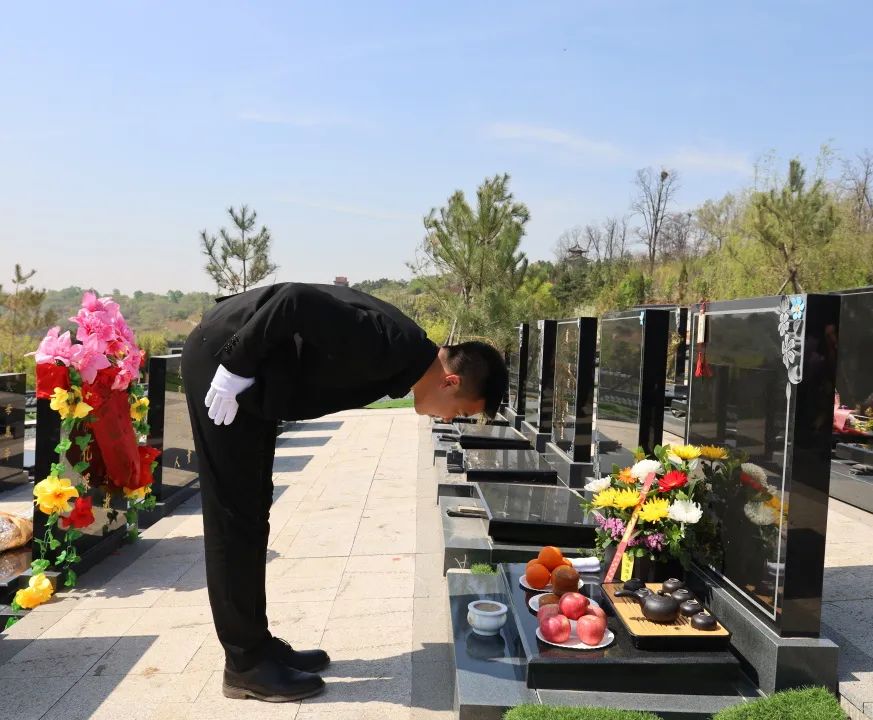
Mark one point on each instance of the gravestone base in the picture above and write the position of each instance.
(773, 662)
(536, 438)
(850, 487)
(572, 474)
(518, 466)
(513, 418)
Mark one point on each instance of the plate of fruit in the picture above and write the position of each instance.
(542, 599)
(551, 572)
(587, 632)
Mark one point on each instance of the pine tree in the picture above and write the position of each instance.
(238, 263)
(22, 322)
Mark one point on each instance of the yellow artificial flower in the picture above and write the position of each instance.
(54, 494)
(138, 494)
(81, 410)
(654, 510)
(711, 452)
(60, 402)
(38, 590)
(774, 503)
(626, 477)
(605, 498)
(685, 452)
(625, 499)
(139, 409)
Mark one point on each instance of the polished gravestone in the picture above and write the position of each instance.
(572, 444)
(630, 386)
(508, 466)
(477, 436)
(539, 383)
(676, 387)
(538, 515)
(765, 389)
(171, 432)
(12, 399)
(855, 389)
(517, 367)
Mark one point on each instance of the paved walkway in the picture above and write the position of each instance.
(354, 567)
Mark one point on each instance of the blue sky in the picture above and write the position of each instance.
(128, 127)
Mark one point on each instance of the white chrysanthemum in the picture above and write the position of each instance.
(675, 459)
(596, 485)
(685, 511)
(756, 472)
(772, 489)
(760, 514)
(642, 469)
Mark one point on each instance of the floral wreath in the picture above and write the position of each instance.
(92, 382)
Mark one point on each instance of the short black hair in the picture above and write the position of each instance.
(483, 371)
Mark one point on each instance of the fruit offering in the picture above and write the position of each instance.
(537, 575)
(551, 557)
(590, 629)
(549, 599)
(564, 580)
(556, 628)
(547, 611)
(574, 605)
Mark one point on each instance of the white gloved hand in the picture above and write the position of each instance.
(221, 398)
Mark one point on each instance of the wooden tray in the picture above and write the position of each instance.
(647, 635)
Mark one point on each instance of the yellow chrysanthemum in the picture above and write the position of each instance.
(138, 494)
(54, 494)
(139, 409)
(60, 402)
(605, 498)
(685, 452)
(626, 477)
(654, 510)
(711, 452)
(38, 590)
(774, 503)
(625, 499)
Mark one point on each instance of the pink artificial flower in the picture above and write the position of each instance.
(91, 303)
(54, 347)
(96, 324)
(88, 358)
(129, 369)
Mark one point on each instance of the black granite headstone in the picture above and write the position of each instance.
(630, 386)
(12, 395)
(539, 378)
(521, 466)
(473, 436)
(575, 352)
(170, 427)
(765, 389)
(518, 371)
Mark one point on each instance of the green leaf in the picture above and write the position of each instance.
(10, 622)
(131, 516)
(83, 441)
(63, 446)
(58, 469)
(71, 578)
(61, 557)
(73, 535)
(54, 544)
(39, 566)
(68, 424)
(52, 520)
(133, 534)
(81, 466)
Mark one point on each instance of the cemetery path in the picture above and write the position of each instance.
(354, 566)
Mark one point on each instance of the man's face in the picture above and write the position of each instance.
(445, 401)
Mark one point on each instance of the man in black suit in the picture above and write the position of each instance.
(294, 351)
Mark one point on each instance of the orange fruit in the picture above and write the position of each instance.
(537, 575)
(551, 557)
(565, 579)
(567, 563)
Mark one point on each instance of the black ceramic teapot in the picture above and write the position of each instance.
(657, 608)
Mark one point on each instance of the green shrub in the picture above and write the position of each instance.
(545, 712)
(805, 704)
(482, 569)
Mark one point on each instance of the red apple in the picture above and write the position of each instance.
(547, 611)
(573, 605)
(597, 611)
(555, 629)
(591, 629)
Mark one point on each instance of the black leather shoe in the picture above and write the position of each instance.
(271, 681)
(310, 661)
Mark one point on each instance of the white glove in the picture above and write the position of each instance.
(221, 398)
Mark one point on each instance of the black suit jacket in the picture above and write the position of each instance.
(316, 349)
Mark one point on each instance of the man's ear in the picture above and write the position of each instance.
(451, 380)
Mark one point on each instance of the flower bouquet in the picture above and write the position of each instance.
(92, 382)
(667, 512)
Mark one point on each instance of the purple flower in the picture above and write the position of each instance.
(655, 542)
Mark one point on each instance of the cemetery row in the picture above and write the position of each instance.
(765, 400)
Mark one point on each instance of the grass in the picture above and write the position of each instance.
(482, 569)
(544, 712)
(391, 404)
(805, 704)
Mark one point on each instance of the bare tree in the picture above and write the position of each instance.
(655, 191)
(857, 182)
(677, 237)
(615, 231)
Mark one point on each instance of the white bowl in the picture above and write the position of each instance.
(486, 617)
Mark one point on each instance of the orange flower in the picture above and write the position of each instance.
(626, 477)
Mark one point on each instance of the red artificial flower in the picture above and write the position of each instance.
(673, 480)
(749, 481)
(81, 516)
(50, 375)
(147, 455)
(96, 393)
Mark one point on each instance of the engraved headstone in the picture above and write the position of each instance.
(518, 370)
(575, 350)
(12, 396)
(539, 378)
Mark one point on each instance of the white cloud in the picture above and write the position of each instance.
(355, 210)
(709, 161)
(539, 134)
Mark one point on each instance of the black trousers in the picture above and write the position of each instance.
(236, 481)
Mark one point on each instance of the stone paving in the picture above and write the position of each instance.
(355, 565)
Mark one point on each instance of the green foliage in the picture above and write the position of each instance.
(238, 263)
(23, 320)
(804, 704)
(391, 404)
(547, 712)
(482, 569)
